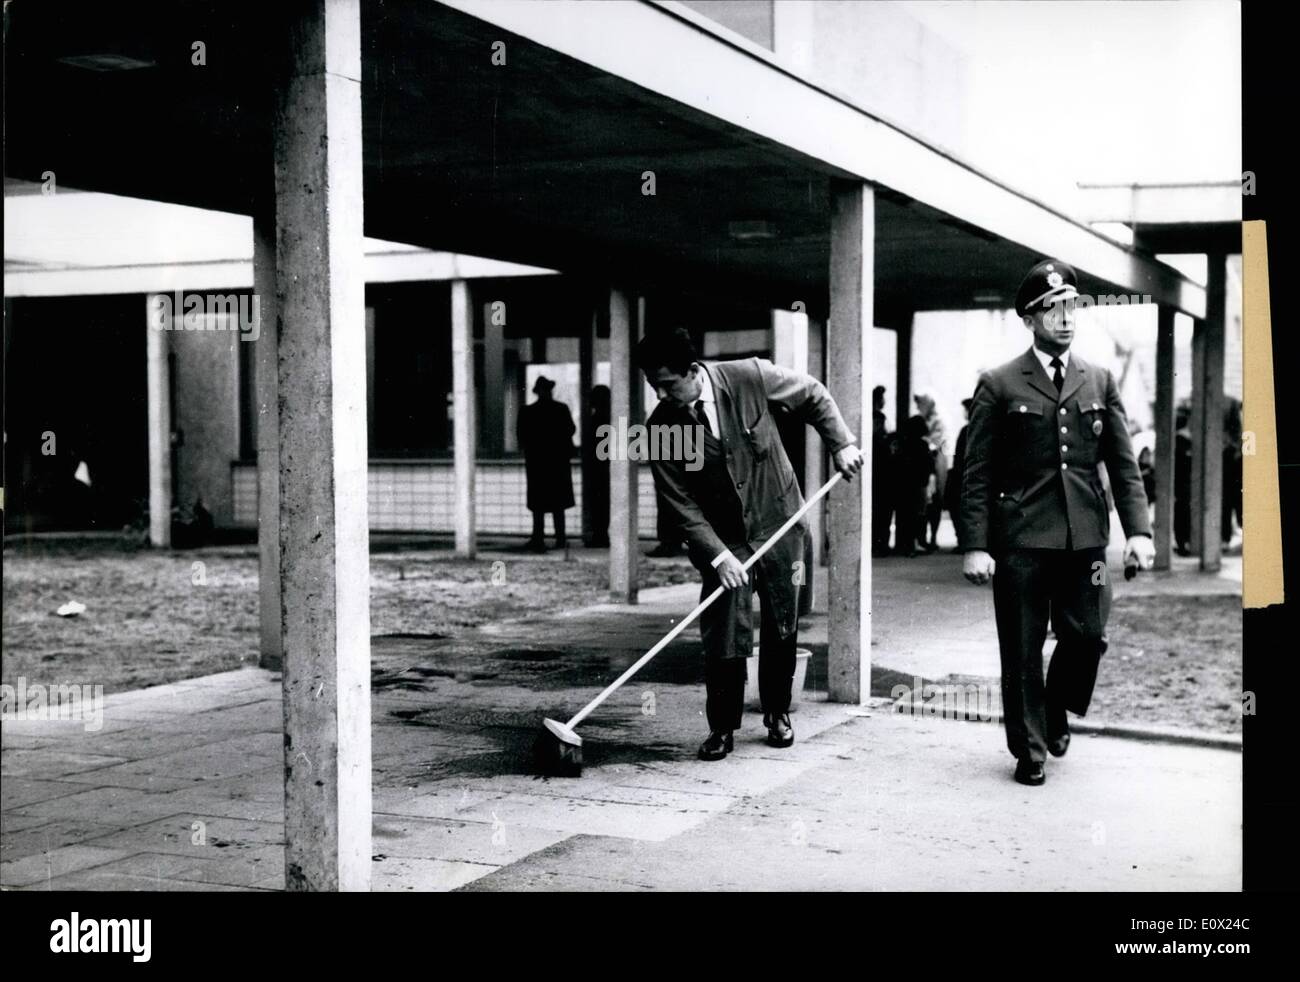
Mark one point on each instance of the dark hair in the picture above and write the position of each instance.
(674, 351)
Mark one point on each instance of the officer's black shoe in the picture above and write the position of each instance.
(779, 731)
(717, 746)
(1030, 772)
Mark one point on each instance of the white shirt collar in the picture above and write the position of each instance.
(706, 390)
(1045, 360)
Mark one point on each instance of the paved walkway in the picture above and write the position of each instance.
(181, 787)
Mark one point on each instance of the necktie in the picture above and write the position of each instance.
(1057, 376)
(703, 417)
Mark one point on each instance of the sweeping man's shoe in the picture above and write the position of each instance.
(1030, 772)
(1058, 731)
(779, 731)
(717, 746)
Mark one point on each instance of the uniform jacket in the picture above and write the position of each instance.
(1031, 477)
(763, 481)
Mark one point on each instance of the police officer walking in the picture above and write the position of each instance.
(1035, 520)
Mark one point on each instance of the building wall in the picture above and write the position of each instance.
(205, 412)
(877, 54)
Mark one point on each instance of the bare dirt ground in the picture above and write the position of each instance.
(153, 618)
(1173, 661)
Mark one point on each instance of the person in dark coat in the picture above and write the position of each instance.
(935, 494)
(1035, 520)
(952, 488)
(882, 477)
(1183, 481)
(545, 430)
(913, 468)
(598, 470)
(1232, 469)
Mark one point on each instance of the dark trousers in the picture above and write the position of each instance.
(539, 526)
(727, 632)
(1070, 589)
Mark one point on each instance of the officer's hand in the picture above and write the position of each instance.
(1139, 550)
(978, 566)
(848, 461)
(732, 573)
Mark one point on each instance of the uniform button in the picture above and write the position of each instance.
(1065, 429)
(1024, 409)
(1002, 494)
(1064, 448)
(1065, 466)
(740, 484)
(1062, 410)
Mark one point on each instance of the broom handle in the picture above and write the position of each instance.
(640, 662)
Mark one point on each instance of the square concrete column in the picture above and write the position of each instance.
(814, 464)
(266, 397)
(792, 347)
(324, 549)
(903, 371)
(849, 338)
(586, 379)
(1208, 344)
(1164, 449)
(464, 431)
(158, 324)
(624, 402)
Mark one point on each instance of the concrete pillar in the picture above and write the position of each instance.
(1208, 343)
(324, 554)
(493, 402)
(814, 463)
(849, 338)
(266, 398)
(586, 379)
(464, 432)
(1164, 449)
(158, 389)
(903, 371)
(624, 399)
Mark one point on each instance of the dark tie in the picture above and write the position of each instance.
(1057, 376)
(703, 417)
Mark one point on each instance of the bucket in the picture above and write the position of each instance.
(801, 657)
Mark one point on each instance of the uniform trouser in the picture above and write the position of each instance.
(1071, 590)
(727, 632)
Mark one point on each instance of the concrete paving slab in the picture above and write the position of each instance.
(41, 866)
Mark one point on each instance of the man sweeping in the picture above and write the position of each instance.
(727, 508)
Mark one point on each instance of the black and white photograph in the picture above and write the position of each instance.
(604, 446)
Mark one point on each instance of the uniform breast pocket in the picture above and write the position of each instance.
(1026, 411)
(1091, 416)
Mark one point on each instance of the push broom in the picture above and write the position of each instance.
(559, 748)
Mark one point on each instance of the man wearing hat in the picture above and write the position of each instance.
(545, 432)
(1034, 518)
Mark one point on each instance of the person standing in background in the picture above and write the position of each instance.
(939, 443)
(952, 488)
(545, 430)
(882, 478)
(598, 470)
